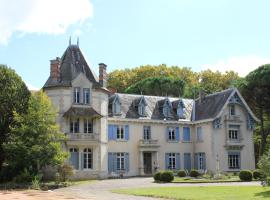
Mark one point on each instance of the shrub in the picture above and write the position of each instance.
(194, 173)
(65, 171)
(157, 176)
(257, 174)
(23, 177)
(36, 183)
(181, 173)
(167, 176)
(245, 175)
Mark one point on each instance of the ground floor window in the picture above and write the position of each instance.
(200, 161)
(172, 161)
(120, 161)
(234, 160)
(74, 157)
(87, 158)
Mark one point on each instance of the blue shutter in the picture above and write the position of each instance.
(177, 161)
(177, 135)
(115, 162)
(126, 132)
(195, 161)
(186, 134)
(166, 161)
(110, 132)
(110, 162)
(204, 161)
(114, 132)
(167, 133)
(187, 161)
(127, 162)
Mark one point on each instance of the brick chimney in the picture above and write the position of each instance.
(55, 66)
(102, 74)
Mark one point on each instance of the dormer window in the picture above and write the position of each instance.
(116, 107)
(141, 106)
(232, 110)
(77, 95)
(167, 108)
(180, 109)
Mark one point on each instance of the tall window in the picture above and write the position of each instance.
(74, 157)
(120, 161)
(86, 95)
(234, 132)
(232, 110)
(200, 161)
(172, 161)
(141, 109)
(166, 110)
(116, 107)
(234, 160)
(199, 134)
(75, 125)
(76, 95)
(186, 134)
(171, 133)
(147, 132)
(88, 126)
(87, 159)
(120, 133)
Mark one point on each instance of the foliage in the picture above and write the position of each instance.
(194, 173)
(35, 139)
(245, 175)
(166, 176)
(164, 86)
(36, 183)
(199, 193)
(181, 173)
(264, 165)
(157, 176)
(14, 97)
(257, 174)
(23, 177)
(65, 171)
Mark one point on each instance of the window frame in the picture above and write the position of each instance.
(171, 134)
(120, 132)
(232, 110)
(87, 159)
(88, 125)
(172, 160)
(199, 134)
(74, 125)
(201, 161)
(147, 132)
(234, 160)
(120, 161)
(86, 95)
(77, 91)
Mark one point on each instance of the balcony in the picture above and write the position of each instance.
(148, 143)
(82, 136)
(234, 144)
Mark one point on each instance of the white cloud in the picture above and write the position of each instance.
(31, 87)
(243, 64)
(41, 16)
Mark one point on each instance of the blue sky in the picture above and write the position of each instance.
(220, 35)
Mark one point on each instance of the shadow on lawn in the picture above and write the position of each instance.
(263, 194)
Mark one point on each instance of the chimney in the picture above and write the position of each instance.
(102, 74)
(55, 66)
(201, 96)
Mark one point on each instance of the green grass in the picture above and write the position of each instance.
(202, 193)
(192, 180)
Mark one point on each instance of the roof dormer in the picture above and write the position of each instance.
(116, 105)
(167, 107)
(181, 109)
(141, 106)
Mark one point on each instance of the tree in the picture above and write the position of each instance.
(35, 139)
(14, 97)
(264, 165)
(256, 91)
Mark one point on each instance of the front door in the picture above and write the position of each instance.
(147, 162)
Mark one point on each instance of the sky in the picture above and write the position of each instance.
(218, 35)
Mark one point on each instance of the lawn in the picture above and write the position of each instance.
(204, 180)
(202, 193)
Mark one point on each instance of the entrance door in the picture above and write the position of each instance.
(147, 162)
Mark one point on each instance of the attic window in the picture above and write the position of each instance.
(116, 106)
(180, 109)
(166, 108)
(141, 109)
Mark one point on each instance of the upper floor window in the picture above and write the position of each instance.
(234, 160)
(76, 95)
(86, 95)
(75, 125)
(199, 134)
(186, 134)
(147, 132)
(88, 126)
(171, 134)
(232, 110)
(234, 132)
(120, 133)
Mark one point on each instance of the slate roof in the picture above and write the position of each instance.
(82, 111)
(72, 64)
(209, 107)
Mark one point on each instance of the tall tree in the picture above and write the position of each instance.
(35, 139)
(14, 97)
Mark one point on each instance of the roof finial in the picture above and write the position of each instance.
(77, 41)
(69, 40)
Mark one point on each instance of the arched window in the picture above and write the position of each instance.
(87, 158)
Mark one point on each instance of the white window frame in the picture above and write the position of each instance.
(200, 161)
(86, 93)
(87, 158)
(120, 161)
(120, 132)
(234, 161)
(172, 161)
(171, 134)
(232, 110)
(87, 122)
(77, 95)
(72, 124)
(199, 134)
(147, 132)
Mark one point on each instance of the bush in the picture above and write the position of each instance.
(167, 176)
(181, 173)
(157, 176)
(245, 175)
(257, 174)
(194, 173)
(36, 183)
(65, 171)
(23, 177)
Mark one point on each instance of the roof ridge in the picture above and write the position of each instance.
(139, 95)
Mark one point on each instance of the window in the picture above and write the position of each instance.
(87, 159)
(232, 110)
(77, 95)
(141, 109)
(75, 125)
(234, 132)
(180, 109)
(171, 134)
(186, 135)
(88, 126)
(116, 107)
(120, 161)
(120, 133)
(234, 160)
(86, 95)
(147, 132)
(200, 161)
(74, 157)
(172, 161)
(199, 134)
(166, 111)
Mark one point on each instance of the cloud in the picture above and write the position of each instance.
(31, 87)
(41, 16)
(243, 64)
